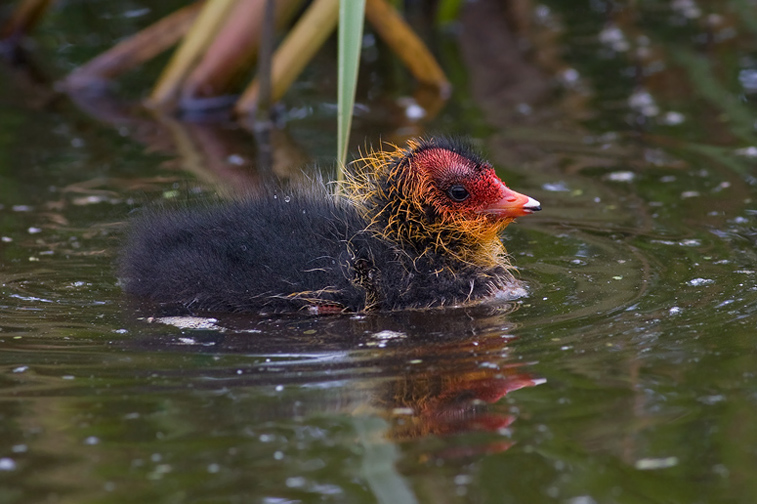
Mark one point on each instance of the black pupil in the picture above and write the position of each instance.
(458, 193)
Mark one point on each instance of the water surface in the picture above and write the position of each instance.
(627, 375)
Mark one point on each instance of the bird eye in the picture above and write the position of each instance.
(458, 193)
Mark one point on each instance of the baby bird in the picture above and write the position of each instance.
(416, 227)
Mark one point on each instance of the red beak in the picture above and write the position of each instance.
(512, 204)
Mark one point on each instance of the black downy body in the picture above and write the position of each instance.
(300, 248)
(284, 252)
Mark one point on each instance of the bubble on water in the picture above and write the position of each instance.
(672, 118)
(643, 102)
(621, 176)
(696, 282)
(189, 322)
(555, 186)
(7, 464)
(570, 77)
(647, 464)
(414, 111)
(463, 479)
(235, 159)
(750, 151)
(614, 37)
(581, 499)
(524, 108)
(712, 399)
(295, 482)
(387, 334)
(687, 8)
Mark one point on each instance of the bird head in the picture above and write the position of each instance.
(462, 188)
(437, 194)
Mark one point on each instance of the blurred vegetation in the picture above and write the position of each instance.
(678, 75)
(220, 40)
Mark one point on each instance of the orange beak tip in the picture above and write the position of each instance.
(513, 204)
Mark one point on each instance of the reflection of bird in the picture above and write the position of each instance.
(416, 228)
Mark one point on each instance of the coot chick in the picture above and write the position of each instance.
(416, 227)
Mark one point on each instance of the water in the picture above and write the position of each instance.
(627, 375)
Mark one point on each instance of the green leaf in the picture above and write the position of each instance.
(351, 16)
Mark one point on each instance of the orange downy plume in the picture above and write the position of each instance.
(395, 193)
